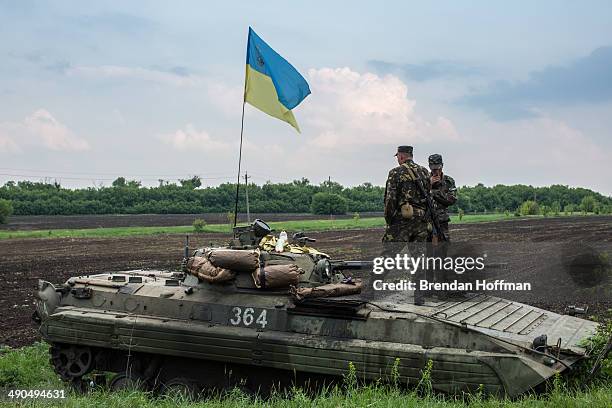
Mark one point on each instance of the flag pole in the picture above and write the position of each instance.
(239, 160)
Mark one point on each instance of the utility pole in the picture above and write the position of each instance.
(246, 191)
(330, 190)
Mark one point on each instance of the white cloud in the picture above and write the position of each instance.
(139, 73)
(226, 98)
(40, 128)
(349, 108)
(7, 144)
(192, 139)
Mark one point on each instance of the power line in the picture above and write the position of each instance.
(47, 176)
(106, 174)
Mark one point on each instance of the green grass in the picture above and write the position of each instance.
(300, 225)
(29, 368)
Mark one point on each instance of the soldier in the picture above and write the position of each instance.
(404, 203)
(443, 191)
(405, 211)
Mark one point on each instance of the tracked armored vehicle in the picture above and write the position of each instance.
(252, 316)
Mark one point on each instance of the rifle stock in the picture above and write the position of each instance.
(437, 233)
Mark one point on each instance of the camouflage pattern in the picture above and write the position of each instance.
(435, 161)
(444, 194)
(163, 327)
(401, 189)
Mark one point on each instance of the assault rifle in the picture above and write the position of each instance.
(437, 233)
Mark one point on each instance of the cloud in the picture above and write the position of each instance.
(425, 71)
(348, 108)
(40, 128)
(537, 151)
(114, 22)
(7, 144)
(176, 76)
(192, 139)
(585, 80)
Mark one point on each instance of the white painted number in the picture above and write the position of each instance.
(247, 317)
(261, 320)
(236, 320)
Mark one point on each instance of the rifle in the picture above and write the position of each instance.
(437, 233)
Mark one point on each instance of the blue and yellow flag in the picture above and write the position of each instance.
(272, 84)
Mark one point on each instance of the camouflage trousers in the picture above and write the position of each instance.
(444, 228)
(414, 230)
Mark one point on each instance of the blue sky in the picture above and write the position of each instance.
(507, 93)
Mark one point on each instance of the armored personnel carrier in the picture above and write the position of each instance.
(261, 313)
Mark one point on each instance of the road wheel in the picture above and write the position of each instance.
(181, 388)
(70, 361)
(125, 381)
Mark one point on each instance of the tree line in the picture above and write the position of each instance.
(299, 196)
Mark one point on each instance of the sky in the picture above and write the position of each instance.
(509, 93)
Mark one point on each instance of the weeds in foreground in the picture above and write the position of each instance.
(29, 368)
(425, 386)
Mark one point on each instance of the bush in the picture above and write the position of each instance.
(588, 204)
(569, 209)
(356, 216)
(198, 225)
(6, 209)
(461, 214)
(231, 217)
(328, 203)
(530, 208)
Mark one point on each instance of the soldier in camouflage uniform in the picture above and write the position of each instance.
(443, 191)
(405, 212)
(404, 203)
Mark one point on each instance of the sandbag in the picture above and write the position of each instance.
(201, 267)
(234, 259)
(277, 276)
(329, 290)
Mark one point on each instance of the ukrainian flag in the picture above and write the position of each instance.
(272, 84)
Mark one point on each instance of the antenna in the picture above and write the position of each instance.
(246, 192)
(186, 246)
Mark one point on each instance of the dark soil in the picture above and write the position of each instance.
(537, 250)
(43, 222)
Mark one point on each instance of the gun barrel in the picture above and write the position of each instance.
(352, 264)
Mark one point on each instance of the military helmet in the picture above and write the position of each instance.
(435, 161)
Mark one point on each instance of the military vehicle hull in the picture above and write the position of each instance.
(164, 330)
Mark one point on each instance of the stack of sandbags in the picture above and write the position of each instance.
(329, 290)
(277, 276)
(236, 260)
(201, 267)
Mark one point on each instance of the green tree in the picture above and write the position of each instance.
(530, 207)
(119, 182)
(191, 183)
(588, 204)
(328, 203)
(230, 218)
(555, 208)
(6, 209)
(199, 224)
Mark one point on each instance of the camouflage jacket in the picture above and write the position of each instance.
(444, 194)
(401, 188)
